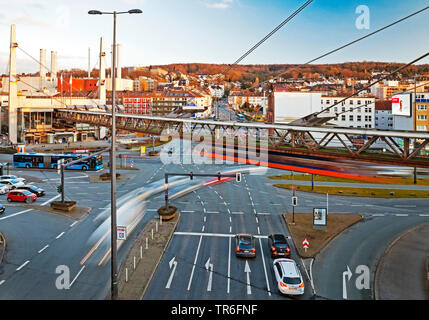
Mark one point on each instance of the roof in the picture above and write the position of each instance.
(383, 105)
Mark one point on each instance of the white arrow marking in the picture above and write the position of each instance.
(173, 264)
(247, 271)
(349, 274)
(209, 266)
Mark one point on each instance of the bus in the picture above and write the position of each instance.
(50, 161)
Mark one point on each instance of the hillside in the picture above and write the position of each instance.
(359, 70)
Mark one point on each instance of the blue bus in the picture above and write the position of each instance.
(50, 161)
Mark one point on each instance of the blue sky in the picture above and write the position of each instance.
(211, 31)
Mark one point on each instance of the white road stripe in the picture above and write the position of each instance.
(60, 235)
(23, 265)
(401, 215)
(80, 271)
(1, 282)
(43, 249)
(195, 262)
(221, 235)
(265, 268)
(73, 224)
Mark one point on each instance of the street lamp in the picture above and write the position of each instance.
(113, 252)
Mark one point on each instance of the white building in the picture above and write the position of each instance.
(356, 112)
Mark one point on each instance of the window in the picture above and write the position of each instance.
(351, 102)
(359, 118)
(421, 128)
(422, 117)
(350, 117)
(343, 117)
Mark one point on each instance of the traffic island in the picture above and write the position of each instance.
(318, 239)
(143, 258)
(105, 177)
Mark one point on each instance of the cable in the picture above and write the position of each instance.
(353, 42)
(265, 38)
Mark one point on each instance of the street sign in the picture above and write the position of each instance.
(305, 244)
(320, 216)
(121, 233)
(294, 201)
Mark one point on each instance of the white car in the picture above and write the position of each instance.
(288, 277)
(13, 184)
(4, 189)
(12, 178)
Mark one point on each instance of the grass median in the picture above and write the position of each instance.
(359, 192)
(303, 229)
(317, 178)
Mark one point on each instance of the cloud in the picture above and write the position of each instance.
(222, 4)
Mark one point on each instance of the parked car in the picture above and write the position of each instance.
(21, 195)
(13, 184)
(245, 245)
(278, 245)
(2, 208)
(33, 189)
(4, 188)
(11, 178)
(288, 277)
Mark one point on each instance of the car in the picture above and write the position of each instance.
(4, 188)
(2, 208)
(288, 277)
(278, 246)
(245, 245)
(13, 184)
(21, 195)
(33, 189)
(7, 177)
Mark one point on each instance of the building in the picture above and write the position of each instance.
(383, 115)
(286, 106)
(138, 104)
(422, 111)
(240, 98)
(355, 112)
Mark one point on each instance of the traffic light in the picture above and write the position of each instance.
(238, 177)
(60, 189)
(191, 175)
(218, 176)
(294, 201)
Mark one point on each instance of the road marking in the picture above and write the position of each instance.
(221, 235)
(195, 262)
(80, 271)
(229, 266)
(187, 211)
(259, 231)
(60, 235)
(209, 266)
(43, 249)
(73, 224)
(247, 271)
(202, 230)
(257, 221)
(239, 212)
(424, 215)
(23, 265)
(230, 229)
(404, 206)
(152, 210)
(401, 215)
(264, 213)
(173, 264)
(1, 282)
(16, 214)
(378, 215)
(265, 269)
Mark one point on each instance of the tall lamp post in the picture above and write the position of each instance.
(113, 252)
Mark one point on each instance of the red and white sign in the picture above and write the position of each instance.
(305, 244)
(121, 233)
(401, 104)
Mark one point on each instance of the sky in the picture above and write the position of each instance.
(212, 31)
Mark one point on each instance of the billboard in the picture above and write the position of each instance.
(320, 216)
(401, 105)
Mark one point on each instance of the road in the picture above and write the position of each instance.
(205, 266)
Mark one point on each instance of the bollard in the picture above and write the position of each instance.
(152, 234)
(134, 262)
(160, 220)
(146, 243)
(141, 252)
(126, 274)
(156, 226)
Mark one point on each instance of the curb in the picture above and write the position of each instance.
(381, 261)
(160, 257)
(3, 245)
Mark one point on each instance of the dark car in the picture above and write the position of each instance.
(278, 246)
(2, 208)
(245, 245)
(33, 189)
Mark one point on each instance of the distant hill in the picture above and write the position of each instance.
(359, 70)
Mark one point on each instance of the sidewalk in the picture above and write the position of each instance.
(401, 273)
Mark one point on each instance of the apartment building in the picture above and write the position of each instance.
(238, 97)
(355, 112)
(422, 112)
(383, 115)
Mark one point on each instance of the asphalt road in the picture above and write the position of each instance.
(38, 242)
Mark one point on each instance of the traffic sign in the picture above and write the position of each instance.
(121, 233)
(305, 244)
